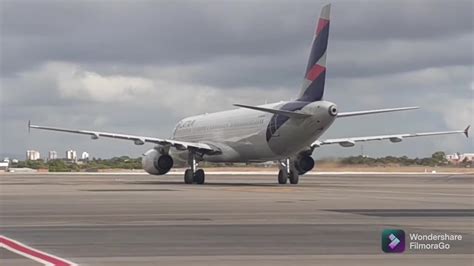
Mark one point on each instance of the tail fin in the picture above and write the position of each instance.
(315, 76)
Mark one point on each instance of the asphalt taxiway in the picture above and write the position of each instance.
(94, 219)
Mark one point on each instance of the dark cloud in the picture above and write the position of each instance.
(155, 32)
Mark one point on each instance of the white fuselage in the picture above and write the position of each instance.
(245, 135)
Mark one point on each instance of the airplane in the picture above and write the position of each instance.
(286, 131)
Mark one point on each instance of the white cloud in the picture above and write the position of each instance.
(75, 82)
(162, 90)
(456, 113)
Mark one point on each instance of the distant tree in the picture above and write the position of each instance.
(58, 166)
(20, 164)
(439, 158)
(404, 160)
(35, 164)
(427, 162)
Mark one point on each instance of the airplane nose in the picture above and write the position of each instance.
(332, 110)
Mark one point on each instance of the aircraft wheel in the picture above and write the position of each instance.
(199, 176)
(294, 177)
(282, 177)
(188, 176)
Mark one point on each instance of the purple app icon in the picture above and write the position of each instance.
(393, 241)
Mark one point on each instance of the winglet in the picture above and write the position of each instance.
(29, 126)
(466, 131)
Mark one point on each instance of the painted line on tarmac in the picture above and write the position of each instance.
(33, 254)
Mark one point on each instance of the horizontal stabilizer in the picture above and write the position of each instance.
(289, 114)
(376, 111)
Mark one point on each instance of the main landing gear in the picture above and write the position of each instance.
(194, 175)
(287, 173)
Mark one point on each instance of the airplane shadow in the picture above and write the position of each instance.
(208, 184)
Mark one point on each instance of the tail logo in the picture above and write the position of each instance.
(315, 76)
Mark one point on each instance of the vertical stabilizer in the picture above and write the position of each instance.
(315, 75)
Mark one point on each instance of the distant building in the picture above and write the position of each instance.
(85, 156)
(71, 155)
(457, 158)
(4, 166)
(32, 155)
(53, 155)
(468, 156)
(452, 157)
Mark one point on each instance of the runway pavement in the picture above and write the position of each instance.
(235, 219)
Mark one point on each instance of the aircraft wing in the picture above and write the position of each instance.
(138, 140)
(349, 142)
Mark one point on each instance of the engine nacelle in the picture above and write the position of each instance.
(155, 163)
(304, 164)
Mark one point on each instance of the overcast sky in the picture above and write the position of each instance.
(138, 67)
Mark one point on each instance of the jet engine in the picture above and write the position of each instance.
(303, 164)
(156, 163)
